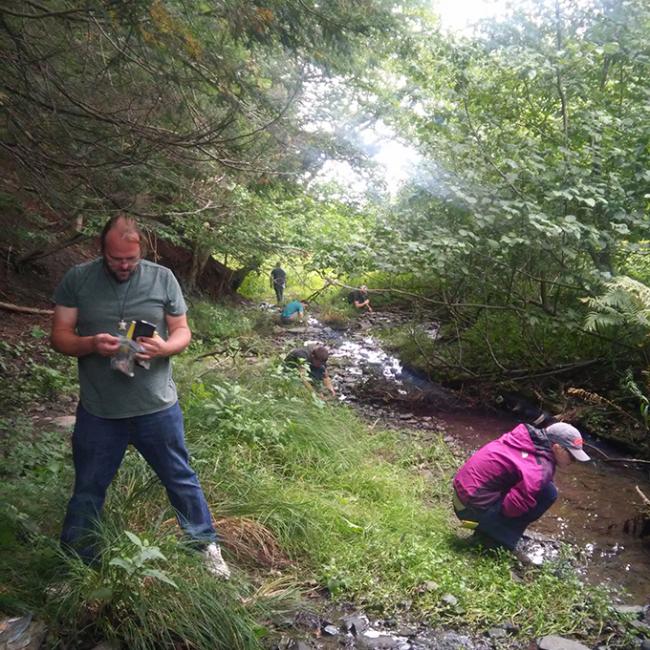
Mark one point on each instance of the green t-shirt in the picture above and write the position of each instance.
(150, 294)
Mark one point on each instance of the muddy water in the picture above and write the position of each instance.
(596, 499)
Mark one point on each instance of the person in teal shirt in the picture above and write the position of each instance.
(294, 311)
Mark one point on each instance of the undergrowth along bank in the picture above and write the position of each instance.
(303, 492)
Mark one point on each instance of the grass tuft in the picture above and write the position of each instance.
(251, 542)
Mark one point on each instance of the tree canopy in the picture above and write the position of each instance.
(212, 120)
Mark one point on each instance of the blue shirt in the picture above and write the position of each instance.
(291, 308)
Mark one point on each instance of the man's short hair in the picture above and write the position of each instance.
(320, 354)
(130, 230)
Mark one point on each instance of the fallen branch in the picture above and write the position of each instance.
(212, 353)
(609, 459)
(516, 374)
(313, 296)
(431, 301)
(595, 398)
(24, 310)
(646, 501)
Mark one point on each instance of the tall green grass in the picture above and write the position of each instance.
(301, 490)
(351, 510)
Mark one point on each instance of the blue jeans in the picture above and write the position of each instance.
(507, 531)
(98, 447)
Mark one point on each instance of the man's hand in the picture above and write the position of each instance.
(327, 383)
(106, 345)
(154, 346)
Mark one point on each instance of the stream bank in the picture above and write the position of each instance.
(598, 506)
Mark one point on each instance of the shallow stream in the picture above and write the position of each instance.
(598, 502)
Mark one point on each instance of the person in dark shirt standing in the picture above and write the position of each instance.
(278, 282)
(359, 298)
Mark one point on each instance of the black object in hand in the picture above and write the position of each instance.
(143, 328)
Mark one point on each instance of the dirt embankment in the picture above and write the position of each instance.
(31, 285)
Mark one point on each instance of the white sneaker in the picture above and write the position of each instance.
(215, 563)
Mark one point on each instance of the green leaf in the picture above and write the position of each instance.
(151, 553)
(134, 538)
(159, 575)
(127, 565)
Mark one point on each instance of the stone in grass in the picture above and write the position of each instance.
(554, 642)
(294, 644)
(355, 624)
(497, 633)
(373, 640)
(453, 641)
(330, 630)
(428, 585)
(64, 421)
(636, 611)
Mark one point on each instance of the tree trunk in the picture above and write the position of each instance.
(200, 257)
(199, 271)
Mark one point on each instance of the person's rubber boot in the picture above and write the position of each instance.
(485, 542)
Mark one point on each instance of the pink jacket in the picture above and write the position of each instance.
(512, 468)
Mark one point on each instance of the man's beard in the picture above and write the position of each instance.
(116, 277)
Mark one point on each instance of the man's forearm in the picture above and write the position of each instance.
(327, 382)
(72, 344)
(178, 340)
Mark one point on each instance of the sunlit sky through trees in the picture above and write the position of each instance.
(460, 15)
(397, 158)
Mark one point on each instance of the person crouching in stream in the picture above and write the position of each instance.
(314, 361)
(508, 483)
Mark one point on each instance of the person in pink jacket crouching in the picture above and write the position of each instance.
(508, 483)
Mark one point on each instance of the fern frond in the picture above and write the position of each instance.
(626, 301)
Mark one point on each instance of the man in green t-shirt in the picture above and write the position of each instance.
(94, 303)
